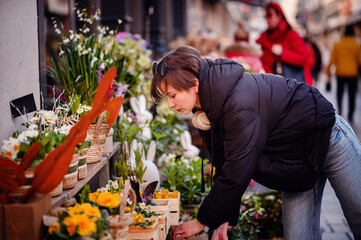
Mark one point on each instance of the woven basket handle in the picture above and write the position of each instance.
(123, 202)
(99, 124)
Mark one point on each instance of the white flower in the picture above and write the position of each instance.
(142, 205)
(85, 52)
(175, 131)
(33, 127)
(111, 32)
(10, 147)
(93, 61)
(57, 31)
(115, 184)
(108, 187)
(65, 129)
(71, 36)
(120, 21)
(61, 52)
(102, 66)
(86, 30)
(129, 201)
(31, 133)
(22, 137)
(79, 111)
(34, 120)
(66, 40)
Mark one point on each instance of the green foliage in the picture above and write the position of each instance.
(125, 130)
(183, 174)
(84, 196)
(121, 168)
(260, 217)
(47, 144)
(139, 170)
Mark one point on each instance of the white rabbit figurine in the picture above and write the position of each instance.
(151, 173)
(186, 142)
(144, 117)
(139, 107)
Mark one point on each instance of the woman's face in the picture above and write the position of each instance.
(273, 18)
(182, 101)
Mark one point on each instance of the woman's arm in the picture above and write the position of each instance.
(244, 138)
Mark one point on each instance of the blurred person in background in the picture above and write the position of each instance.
(243, 52)
(317, 56)
(346, 57)
(284, 51)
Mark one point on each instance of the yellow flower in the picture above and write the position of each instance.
(70, 225)
(138, 218)
(174, 194)
(54, 228)
(85, 225)
(108, 199)
(93, 196)
(91, 211)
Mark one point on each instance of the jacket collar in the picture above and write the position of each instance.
(216, 80)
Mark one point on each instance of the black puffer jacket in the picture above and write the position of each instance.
(265, 127)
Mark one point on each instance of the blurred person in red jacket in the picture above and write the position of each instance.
(284, 51)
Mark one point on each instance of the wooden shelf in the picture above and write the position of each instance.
(93, 169)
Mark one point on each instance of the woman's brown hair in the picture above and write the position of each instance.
(182, 66)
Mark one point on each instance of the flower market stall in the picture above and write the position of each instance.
(102, 161)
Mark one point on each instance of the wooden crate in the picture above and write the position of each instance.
(24, 221)
(163, 220)
(174, 204)
(140, 233)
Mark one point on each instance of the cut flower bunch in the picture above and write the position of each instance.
(84, 57)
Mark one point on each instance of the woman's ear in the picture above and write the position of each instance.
(196, 85)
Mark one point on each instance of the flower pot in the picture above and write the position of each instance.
(24, 221)
(82, 165)
(21, 190)
(58, 190)
(71, 177)
(97, 134)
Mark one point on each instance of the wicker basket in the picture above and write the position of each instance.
(21, 190)
(97, 134)
(71, 177)
(119, 224)
(82, 166)
(58, 190)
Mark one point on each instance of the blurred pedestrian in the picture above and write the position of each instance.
(284, 51)
(283, 134)
(346, 57)
(243, 52)
(317, 66)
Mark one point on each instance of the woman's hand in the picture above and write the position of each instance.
(187, 229)
(221, 232)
